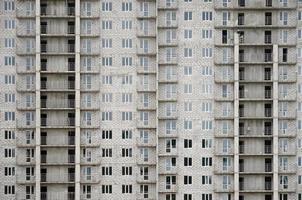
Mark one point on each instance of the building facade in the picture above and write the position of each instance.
(155, 100)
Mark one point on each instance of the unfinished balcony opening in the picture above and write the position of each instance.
(241, 91)
(268, 128)
(268, 110)
(241, 128)
(71, 27)
(43, 27)
(267, 74)
(241, 55)
(241, 73)
(71, 9)
(268, 18)
(240, 19)
(267, 146)
(71, 46)
(43, 64)
(268, 56)
(241, 165)
(43, 8)
(241, 36)
(43, 46)
(268, 3)
(241, 147)
(241, 110)
(268, 183)
(71, 64)
(267, 92)
(268, 165)
(267, 37)
(241, 3)
(224, 36)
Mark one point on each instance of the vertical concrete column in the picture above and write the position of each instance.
(38, 110)
(77, 101)
(157, 98)
(275, 123)
(236, 116)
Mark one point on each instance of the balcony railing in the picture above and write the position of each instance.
(59, 103)
(61, 140)
(68, 122)
(49, 177)
(57, 195)
(57, 160)
(45, 48)
(268, 57)
(60, 85)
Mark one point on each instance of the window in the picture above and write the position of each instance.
(188, 16)
(107, 116)
(9, 98)
(188, 52)
(9, 5)
(127, 189)
(127, 43)
(206, 34)
(106, 6)
(9, 189)
(126, 24)
(9, 135)
(9, 42)
(106, 43)
(206, 197)
(106, 189)
(188, 34)
(206, 180)
(206, 71)
(106, 25)
(127, 80)
(206, 143)
(187, 180)
(206, 52)
(126, 116)
(9, 24)
(9, 60)
(126, 134)
(9, 171)
(107, 97)
(187, 124)
(188, 106)
(206, 125)
(127, 6)
(106, 152)
(107, 61)
(106, 171)
(284, 17)
(188, 71)
(126, 97)
(9, 116)
(188, 143)
(106, 134)
(9, 153)
(187, 161)
(188, 88)
(206, 161)
(126, 61)
(206, 106)
(188, 197)
(206, 16)
(126, 171)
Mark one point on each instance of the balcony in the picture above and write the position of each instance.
(53, 159)
(21, 12)
(48, 30)
(57, 104)
(66, 12)
(57, 49)
(57, 195)
(49, 123)
(57, 85)
(168, 187)
(168, 5)
(57, 178)
(57, 141)
(251, 150)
